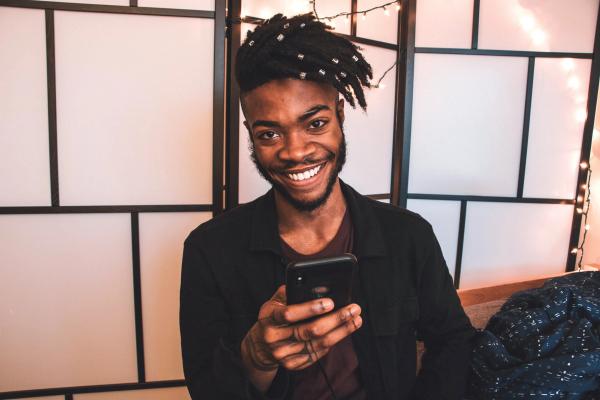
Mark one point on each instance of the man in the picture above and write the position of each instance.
(239, 337)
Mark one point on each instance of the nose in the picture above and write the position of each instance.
(297, 148)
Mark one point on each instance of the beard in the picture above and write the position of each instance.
(309, 205)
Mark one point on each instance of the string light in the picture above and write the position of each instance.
(584, 211)
(364, 13)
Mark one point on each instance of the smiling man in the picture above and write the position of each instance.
(240, 338)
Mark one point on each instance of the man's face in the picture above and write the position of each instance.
(297, 139)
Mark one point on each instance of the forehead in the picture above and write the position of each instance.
(286, 98)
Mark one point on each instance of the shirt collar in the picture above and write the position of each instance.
(367, 230)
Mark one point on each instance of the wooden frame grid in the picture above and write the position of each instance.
(226, 137)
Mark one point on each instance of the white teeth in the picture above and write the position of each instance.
(306, 174)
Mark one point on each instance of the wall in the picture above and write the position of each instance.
(107, 160)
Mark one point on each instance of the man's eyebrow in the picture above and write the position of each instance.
(307, 114)
(262, 122)
(312, 111)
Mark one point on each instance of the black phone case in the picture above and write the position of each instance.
(330, 277)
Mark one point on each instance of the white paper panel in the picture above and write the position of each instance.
(592, 243)
(177, 393)
(378, 24)
(444, 216)
(161, 247)
(370, 135)
(208, 5)
(67, 301)
(509, 242)
(134, 109)
(24, 162)
(267, 8)
(104, 2)
(538, 25)
(558, 113)
(444, 23)
(467, 124)
(251, 184)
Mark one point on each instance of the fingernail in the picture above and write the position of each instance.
(324, 305)
(353, 311)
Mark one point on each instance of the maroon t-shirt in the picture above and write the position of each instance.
(340, 364)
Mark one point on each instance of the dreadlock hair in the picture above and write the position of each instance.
(300, 47)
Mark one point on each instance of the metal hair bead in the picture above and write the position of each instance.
(355, 58)
(302, 75)
(322, 72)
(251, 43)
(280, 37)
(287, 25)
(337, 78)
(335, 60)
(342, 74)
(300, 56)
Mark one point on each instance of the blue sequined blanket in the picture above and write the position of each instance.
(543, 344)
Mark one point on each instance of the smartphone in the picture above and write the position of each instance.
(325, 277)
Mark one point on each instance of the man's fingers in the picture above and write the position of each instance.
(299, 312)
(336, 335)
(301, 361)
(287, 348)
(327, 323)
(280, 295)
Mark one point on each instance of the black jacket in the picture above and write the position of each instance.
(232, 264)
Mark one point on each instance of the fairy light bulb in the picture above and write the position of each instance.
(364, 16)
(580, 211)
(583, 165)
(386, 12)
(584, 186)
(579, 199)
(587, 227)
(397, 7)
(574, 251)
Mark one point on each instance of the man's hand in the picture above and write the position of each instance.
(282, 336)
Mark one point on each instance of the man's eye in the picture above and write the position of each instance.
(267, 135)
(317, 123)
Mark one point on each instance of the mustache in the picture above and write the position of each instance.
(286, 166)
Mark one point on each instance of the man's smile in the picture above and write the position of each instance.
(304, 174)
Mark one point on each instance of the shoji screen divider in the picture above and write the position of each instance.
(535, 68)
(121, 228)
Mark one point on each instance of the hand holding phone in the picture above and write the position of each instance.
(294, 336)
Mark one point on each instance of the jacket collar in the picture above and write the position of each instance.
(367, 230)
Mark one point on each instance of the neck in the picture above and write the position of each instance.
(320, 221)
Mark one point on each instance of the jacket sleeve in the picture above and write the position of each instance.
(445, 330)
(211, 359)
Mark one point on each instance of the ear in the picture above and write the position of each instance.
(340, 110)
